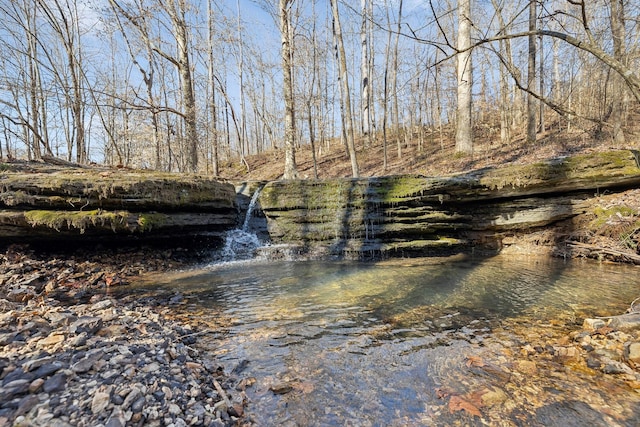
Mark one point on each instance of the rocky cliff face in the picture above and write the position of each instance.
(39, 201)
(412, 214)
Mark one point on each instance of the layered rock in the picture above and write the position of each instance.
(43, 201)
(428, 215)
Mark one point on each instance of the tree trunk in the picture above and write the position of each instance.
(290, 168)
(213, 120)
(394, 84)
(464, 123)
(186, 83)
(618, 32)
(531, 75)
(364, 71)
(346, 96)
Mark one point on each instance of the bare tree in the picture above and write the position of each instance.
(290, 168)
(617, 18)
(62, 17)
(345, 92)
(213, 117)
(531, 74)
(464, 125)
(176, 11)
(365, 67)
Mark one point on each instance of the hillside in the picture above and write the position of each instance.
(434, 156)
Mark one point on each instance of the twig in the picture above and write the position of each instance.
(222, 393)
(606, 251)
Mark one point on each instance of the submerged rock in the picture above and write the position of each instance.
(625, 322)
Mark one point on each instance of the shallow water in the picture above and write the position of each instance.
(412, 342)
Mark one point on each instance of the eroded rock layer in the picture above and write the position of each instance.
(413, 214)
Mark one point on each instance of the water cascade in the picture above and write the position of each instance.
(241, 243)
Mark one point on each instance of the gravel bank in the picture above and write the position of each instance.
(72, 355)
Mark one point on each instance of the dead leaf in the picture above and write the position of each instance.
(442, 393)
(604, 330)
(457, 403)
(474, 361)
(304, 387)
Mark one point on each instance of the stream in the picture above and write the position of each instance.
(412, 341)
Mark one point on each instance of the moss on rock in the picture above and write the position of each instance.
(80, 220)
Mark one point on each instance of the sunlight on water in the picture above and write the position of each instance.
(389, 343)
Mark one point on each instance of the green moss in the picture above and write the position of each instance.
(148, 221)
(583, 167)
(618, 222)
(154, 187)
(400, 188)
(80, 220)
(603, 215)
(342, 193)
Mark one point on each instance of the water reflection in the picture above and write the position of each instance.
(409, 342)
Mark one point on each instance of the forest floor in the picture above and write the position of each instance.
(429, 154)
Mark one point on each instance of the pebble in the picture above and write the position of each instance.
(100, 402)
(110, 363)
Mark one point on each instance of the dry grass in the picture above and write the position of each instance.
(432, 154)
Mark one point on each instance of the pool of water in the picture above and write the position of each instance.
(412, 342)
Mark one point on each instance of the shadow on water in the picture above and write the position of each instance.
(382, 343)
(390, 342)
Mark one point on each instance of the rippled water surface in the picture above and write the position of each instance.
(412, 342)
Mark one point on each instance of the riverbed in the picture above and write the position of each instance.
(486, 341)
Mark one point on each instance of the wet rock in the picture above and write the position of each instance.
(593, 324)
(594, 363)
(632, 352)
(526, 367)
(281, 388)
(566, 354)
(625, 322)
(493, 396)
(614, 367)
(236, 410)
(571, 413)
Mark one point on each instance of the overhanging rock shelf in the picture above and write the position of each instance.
(355, 218)
(40, 201)
(413, 214)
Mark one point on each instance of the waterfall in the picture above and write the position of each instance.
(241, 243)
(252, 206)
